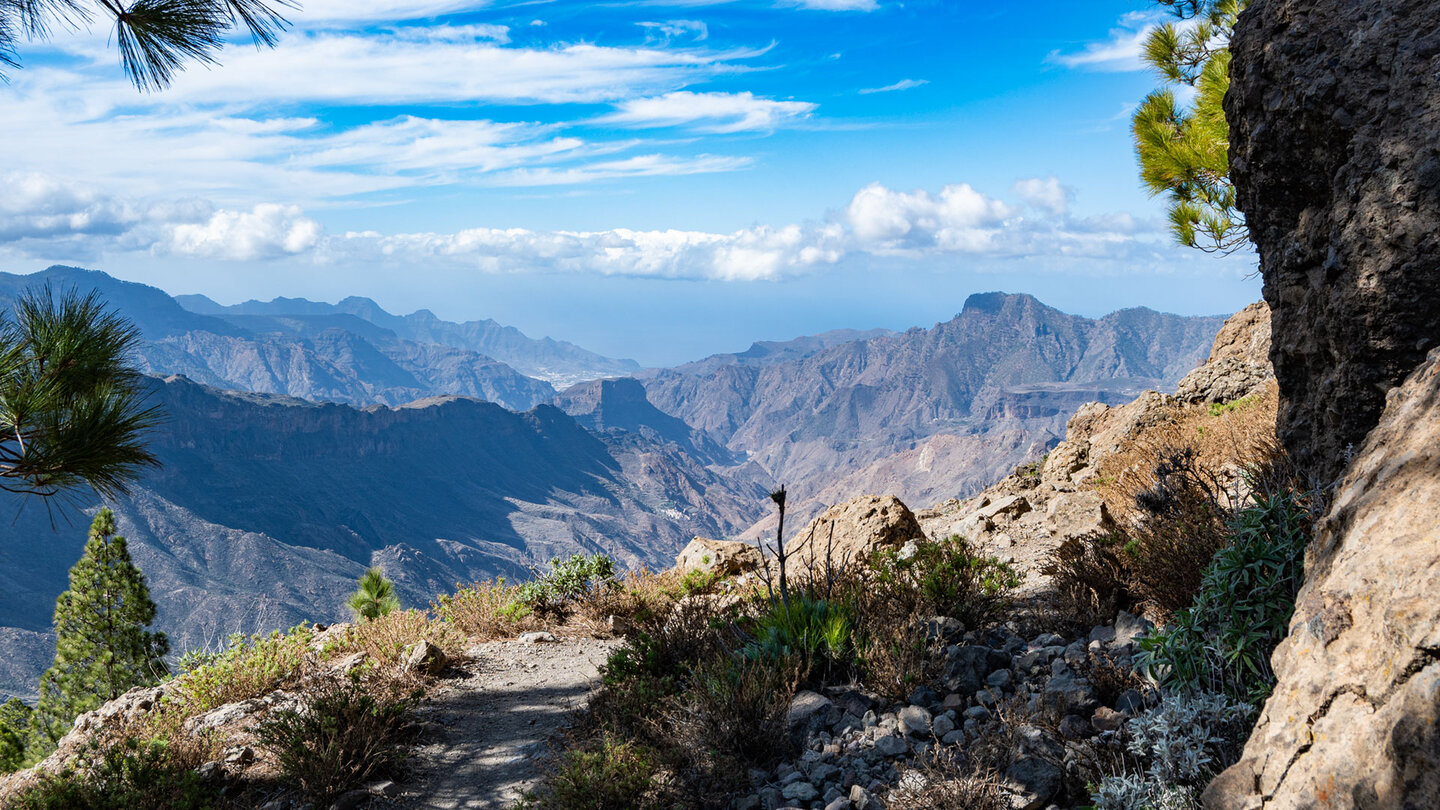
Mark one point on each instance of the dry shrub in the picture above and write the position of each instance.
(629, 602)
(732, 715)
(487, 611)
(1111, 676)
(1089, 580)
(1223, 437)
(896, 654)
(347, 731)
(385, 638)
(948, 782)
(601, 774)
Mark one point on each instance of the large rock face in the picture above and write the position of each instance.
(1355, 719)
(1239, 361)
(1334, 108)
(853, 530)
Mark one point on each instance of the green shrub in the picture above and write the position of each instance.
(567, 580)
(249, 666)
(603, 775)
(944, 578)
(696, 581)
(131, 775)
(813, 634)
(347, 732)
(1223, 641)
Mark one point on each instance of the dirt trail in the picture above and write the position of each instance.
(497, 719)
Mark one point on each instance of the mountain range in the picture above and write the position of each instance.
(306, 441)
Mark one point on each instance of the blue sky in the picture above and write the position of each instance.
(659, 179)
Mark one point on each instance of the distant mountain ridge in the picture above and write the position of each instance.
(334, 357)
(1006, 363)
(554, 361)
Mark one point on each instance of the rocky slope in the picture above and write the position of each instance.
(1333, 110)
(1028, 514)
(325, 357)
(268, 508)
(554, 361)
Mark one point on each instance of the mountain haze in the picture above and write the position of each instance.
(332, 357)
(554, 361)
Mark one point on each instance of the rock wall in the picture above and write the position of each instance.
(1355, 719)
(1334, 110)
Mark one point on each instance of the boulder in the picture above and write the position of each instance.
(1078, 514)
(1355, 718)
(1239, 362)
(852, 531)
(1033, 781)
(723, 557)
(808, 711)
(1333, 109)
(1066, 459)
(426, 658)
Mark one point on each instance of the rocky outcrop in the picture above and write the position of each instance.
(1355, 718)
(726, 558)
(854, 530)
(1334, 107)
(1239, 360)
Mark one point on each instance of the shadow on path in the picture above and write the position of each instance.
(497, 719)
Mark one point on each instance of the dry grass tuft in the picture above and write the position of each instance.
(385, 638)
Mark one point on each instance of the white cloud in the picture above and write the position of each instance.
(1046, 194)
(709, 112)
(903, 84)
(637, 166)
(958, 219)
(1120, 52)
(36, 206)
(426, 65)
(330, 11)
(838, 5)
(670, 30)
(48, 218)
(267, 231)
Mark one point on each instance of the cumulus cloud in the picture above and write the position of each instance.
(709, 112)
(959, 218)
(36, 206)
(903, 84)
(267, 231)
(1046, 194)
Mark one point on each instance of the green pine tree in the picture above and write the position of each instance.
(1184, 150)
(14, 725)
(102, 646)
(376, 596)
